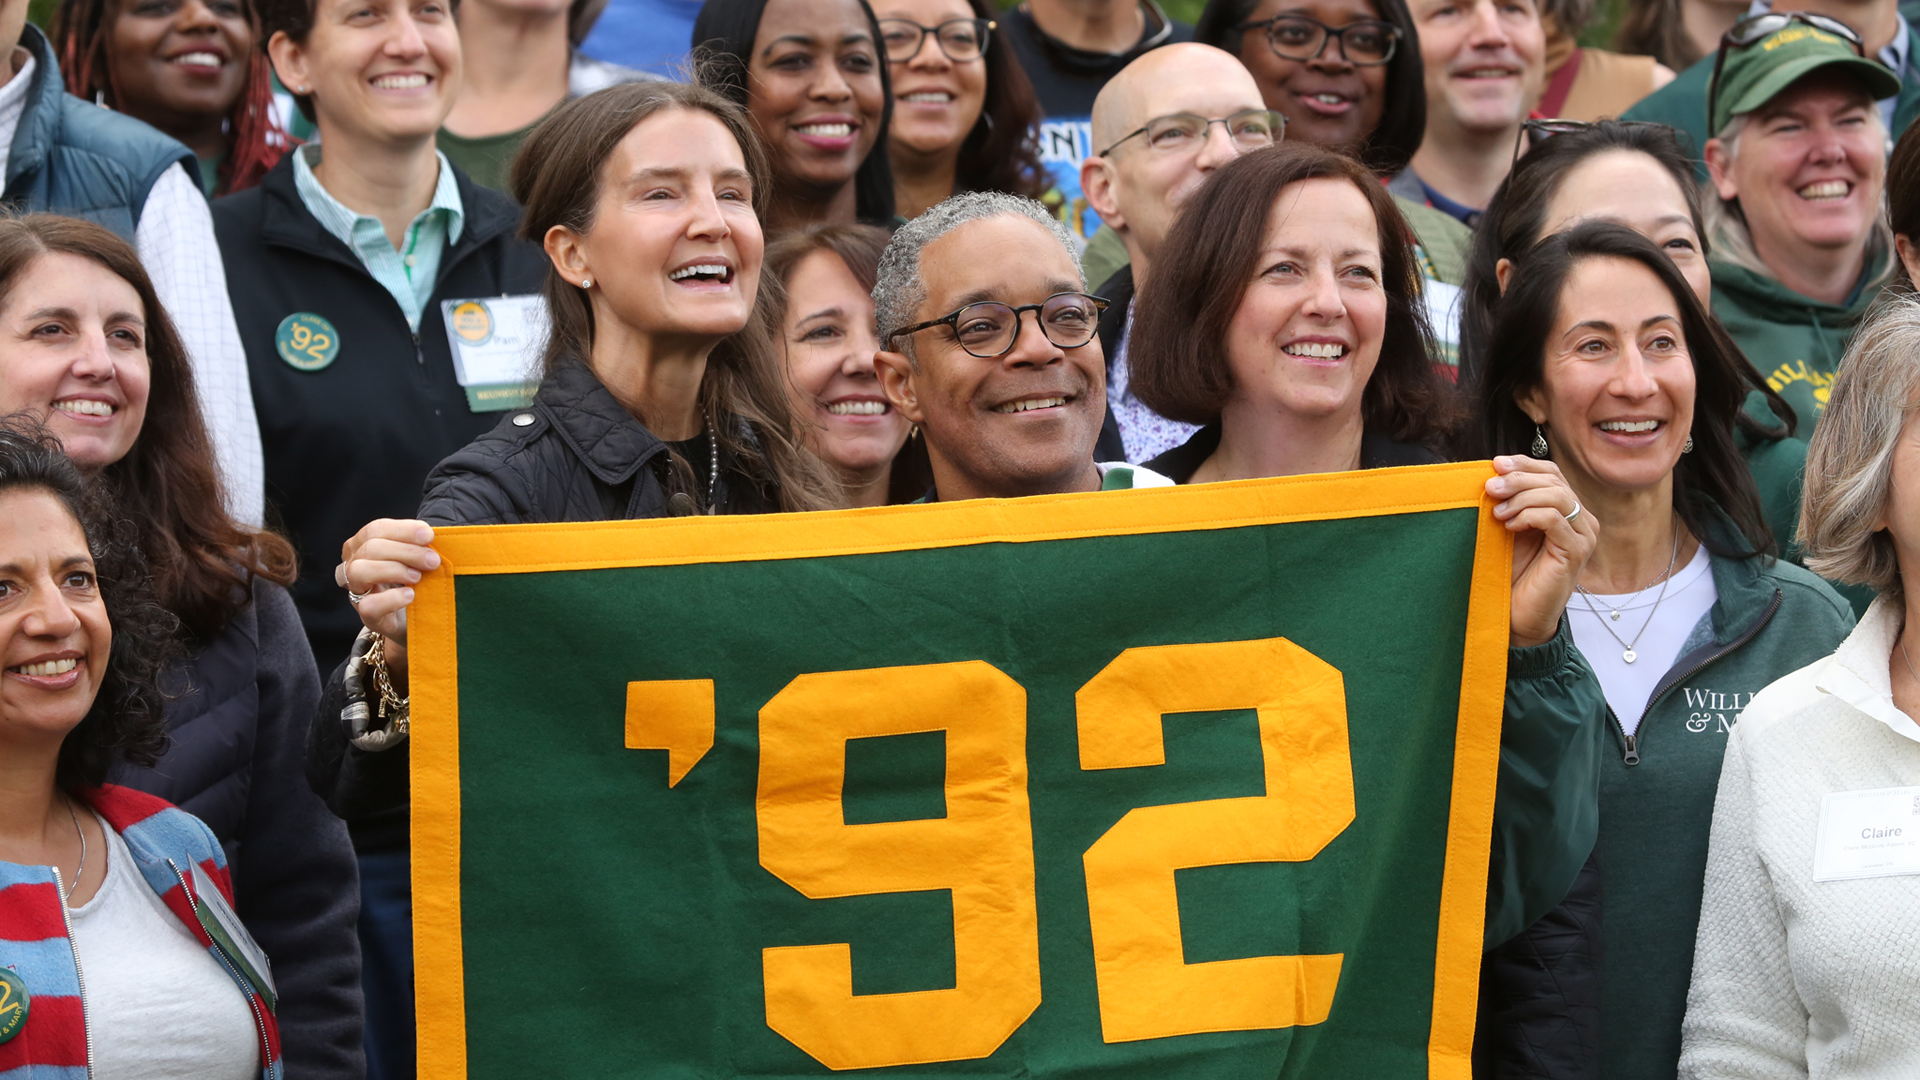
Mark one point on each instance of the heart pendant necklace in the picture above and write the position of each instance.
(1627, 652)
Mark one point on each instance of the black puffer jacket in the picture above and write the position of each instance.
(238, 733)
(575, 454)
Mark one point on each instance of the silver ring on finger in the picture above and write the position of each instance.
(354, 598)
(1569, 517)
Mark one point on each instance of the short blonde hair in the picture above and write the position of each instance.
(1849, 477)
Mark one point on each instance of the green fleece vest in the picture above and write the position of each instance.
(1657, 791)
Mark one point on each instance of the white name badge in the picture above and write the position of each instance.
(498, 342)
(1865, 834)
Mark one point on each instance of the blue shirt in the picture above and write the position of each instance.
(651, 35)
(410, 272)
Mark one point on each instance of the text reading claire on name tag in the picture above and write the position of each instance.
(1867, 834)
(498, 343)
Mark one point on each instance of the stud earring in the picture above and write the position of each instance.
(1688, 449)
(586, 283)
(1539, 447)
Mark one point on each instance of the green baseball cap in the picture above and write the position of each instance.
(1753, 75)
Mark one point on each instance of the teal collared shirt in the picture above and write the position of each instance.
(409, 273)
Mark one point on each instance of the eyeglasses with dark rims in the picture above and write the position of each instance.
(960, 39)
(989, 328)
(1367, 43)
(1250, 129)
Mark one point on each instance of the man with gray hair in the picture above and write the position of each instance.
(1008, 406)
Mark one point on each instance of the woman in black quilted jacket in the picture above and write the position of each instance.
(663, 390)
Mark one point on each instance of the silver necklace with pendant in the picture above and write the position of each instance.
(1613, 615)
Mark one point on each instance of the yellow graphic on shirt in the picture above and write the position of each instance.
(1798, 372)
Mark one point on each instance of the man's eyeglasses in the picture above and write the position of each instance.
(1250, 129)
(989, 328)
(1754, 27)
(960, 39)
(1298, 37)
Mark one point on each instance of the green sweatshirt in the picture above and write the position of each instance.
(1657, 791)
(1793, 340)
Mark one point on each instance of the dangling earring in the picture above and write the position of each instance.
(1539, 447)
(1688, 449)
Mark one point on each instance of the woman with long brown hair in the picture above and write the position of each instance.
(827, 335)
(1285, 317)
(86, 349)
(663, 390)
(192, 68)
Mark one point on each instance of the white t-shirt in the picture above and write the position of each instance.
(1690, 596)
(159, 1006)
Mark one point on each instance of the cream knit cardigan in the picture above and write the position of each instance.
(1793, 977)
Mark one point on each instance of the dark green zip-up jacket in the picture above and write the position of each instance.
(1657, 789)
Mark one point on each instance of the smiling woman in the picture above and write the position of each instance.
(965, 117)
(827, 335)
(192, 68)
(83, 645)
(1346, 73)
(662, 391)
(812, 77)
(1602, 352)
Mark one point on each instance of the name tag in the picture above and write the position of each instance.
(498, 343)
(224, 927)
(1866, 834)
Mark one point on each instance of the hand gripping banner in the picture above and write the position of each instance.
(1185, 782)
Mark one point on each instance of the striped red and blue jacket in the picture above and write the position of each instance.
(55, 1042)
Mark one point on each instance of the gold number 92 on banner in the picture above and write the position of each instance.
(1146, 989)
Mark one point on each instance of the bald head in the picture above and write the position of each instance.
(1137, 188)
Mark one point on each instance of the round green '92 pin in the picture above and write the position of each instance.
(307, 341)
(14, 1000)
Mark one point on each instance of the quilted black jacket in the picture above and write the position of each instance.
(575, 454)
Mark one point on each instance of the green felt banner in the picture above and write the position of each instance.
(1190, 782)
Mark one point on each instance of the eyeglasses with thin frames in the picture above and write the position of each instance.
(1250, 129)
(962, 40)
(989, 328)
(1754, 27)
(1301, 37)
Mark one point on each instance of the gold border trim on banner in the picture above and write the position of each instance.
(439, 959)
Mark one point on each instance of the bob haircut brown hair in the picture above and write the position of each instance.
(557, 177)
(202, 562)
(1714, 472)
(1177, 352)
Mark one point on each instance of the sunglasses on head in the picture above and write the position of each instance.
(1755, 27)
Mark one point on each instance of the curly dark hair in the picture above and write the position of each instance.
(126, 722)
